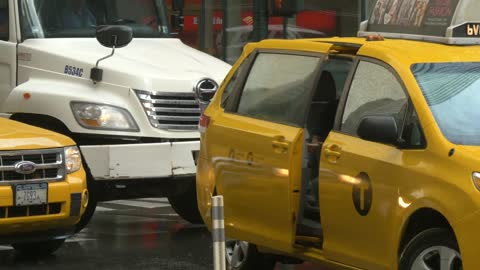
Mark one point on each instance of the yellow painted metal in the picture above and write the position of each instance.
(16, 136)
(403, 181)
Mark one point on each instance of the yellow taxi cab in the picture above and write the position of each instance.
(43, 190)
(354, 153)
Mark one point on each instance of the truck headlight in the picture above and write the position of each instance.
(101, 116)
(73, 159)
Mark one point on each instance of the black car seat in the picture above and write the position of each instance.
(319, 123)
(323, 108)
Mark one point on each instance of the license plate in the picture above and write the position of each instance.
(30, 194)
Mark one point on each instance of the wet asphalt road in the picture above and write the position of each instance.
(136, 234)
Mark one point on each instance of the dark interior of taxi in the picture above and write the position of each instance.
(324, 103)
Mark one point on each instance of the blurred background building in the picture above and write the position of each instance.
(222, 27)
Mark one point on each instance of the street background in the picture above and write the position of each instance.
(130, 234)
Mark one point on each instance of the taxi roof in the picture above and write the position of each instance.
(407, 51)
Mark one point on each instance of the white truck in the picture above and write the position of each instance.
(136, 124)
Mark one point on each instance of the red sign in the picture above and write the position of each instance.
(324, 21)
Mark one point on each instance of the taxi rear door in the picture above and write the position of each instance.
(258, 155)
(359, 179)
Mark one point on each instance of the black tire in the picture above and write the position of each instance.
(92, 200)
(430, 239)
(35, 249)
(88, 214)
(254, 260)
(186, 206)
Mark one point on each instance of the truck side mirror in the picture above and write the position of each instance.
(110, 36)
(114, 36)
(379, 128)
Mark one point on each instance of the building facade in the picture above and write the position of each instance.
(222, 27)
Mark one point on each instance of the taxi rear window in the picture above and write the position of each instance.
(452, 93)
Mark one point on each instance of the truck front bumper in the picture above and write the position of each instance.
(141, 161)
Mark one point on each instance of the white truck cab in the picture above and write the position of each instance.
(137, 127)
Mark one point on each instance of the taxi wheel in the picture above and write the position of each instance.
(432, 249)
(42, 248)
(241, 255)
(186, 206)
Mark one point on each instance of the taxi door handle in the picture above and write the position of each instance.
(333, 152)
(280, 145)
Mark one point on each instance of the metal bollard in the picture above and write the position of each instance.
(218, 233)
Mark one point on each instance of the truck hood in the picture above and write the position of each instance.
(17, 136)
(160, 64)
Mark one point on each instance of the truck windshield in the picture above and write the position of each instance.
(78, 18)
(452, 91)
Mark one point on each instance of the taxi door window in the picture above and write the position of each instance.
(4, 20)
(413, 137)
(278, 88)
(227, 95)
(374, 91)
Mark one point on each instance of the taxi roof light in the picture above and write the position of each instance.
(375, 37)
(448, 22)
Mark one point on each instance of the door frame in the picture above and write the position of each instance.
(304, 182)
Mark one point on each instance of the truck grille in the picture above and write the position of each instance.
(167, 110)
(49, 165)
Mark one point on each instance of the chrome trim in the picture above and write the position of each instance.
(175, 118)
(176, 127)
(178, 110)
(200, 92)
(170, 110)
(157, 93)
(59, 164)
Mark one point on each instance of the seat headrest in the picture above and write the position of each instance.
(326, 89)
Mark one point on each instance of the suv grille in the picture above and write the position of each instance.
(167, 110)
(49, 165)
(29, 211)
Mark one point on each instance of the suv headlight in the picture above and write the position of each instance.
(73, 159)
(101, 116)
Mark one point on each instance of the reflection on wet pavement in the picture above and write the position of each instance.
(130, 236)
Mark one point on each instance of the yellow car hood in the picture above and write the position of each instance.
(18, 136)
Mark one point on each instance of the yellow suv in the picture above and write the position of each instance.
(43, 190)
(354, 153)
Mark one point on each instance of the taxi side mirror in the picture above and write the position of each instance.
(378, 128)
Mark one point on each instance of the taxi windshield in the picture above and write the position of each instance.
(452, 91)
(78, 18)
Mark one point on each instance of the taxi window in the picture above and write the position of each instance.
(234, 81)
(278, 88)
(4, 20)
(374, 91)
(451, 91)
(413, 137)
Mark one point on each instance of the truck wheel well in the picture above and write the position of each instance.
(421, 220)
(42, 121)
